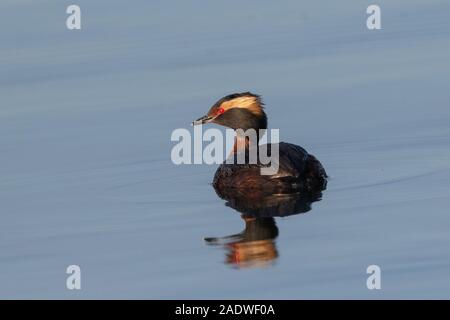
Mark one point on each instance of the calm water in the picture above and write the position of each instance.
(85, 170)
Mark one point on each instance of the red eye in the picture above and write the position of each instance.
(220, 111)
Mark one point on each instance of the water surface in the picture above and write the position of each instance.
(85, 124)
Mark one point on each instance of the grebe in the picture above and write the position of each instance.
(298, 171)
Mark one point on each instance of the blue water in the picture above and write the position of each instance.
(85, 124)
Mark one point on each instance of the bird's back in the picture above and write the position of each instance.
(297, 171)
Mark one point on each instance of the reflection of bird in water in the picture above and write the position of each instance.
(255, 245)
(258, 203)
(297, 170)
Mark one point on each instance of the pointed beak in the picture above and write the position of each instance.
(202, 120)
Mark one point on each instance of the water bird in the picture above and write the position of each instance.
(298, 170)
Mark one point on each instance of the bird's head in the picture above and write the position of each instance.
(237, 111)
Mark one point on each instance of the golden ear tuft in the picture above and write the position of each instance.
(249, 102)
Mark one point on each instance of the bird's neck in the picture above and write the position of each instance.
(241, 143)
(244, 142)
